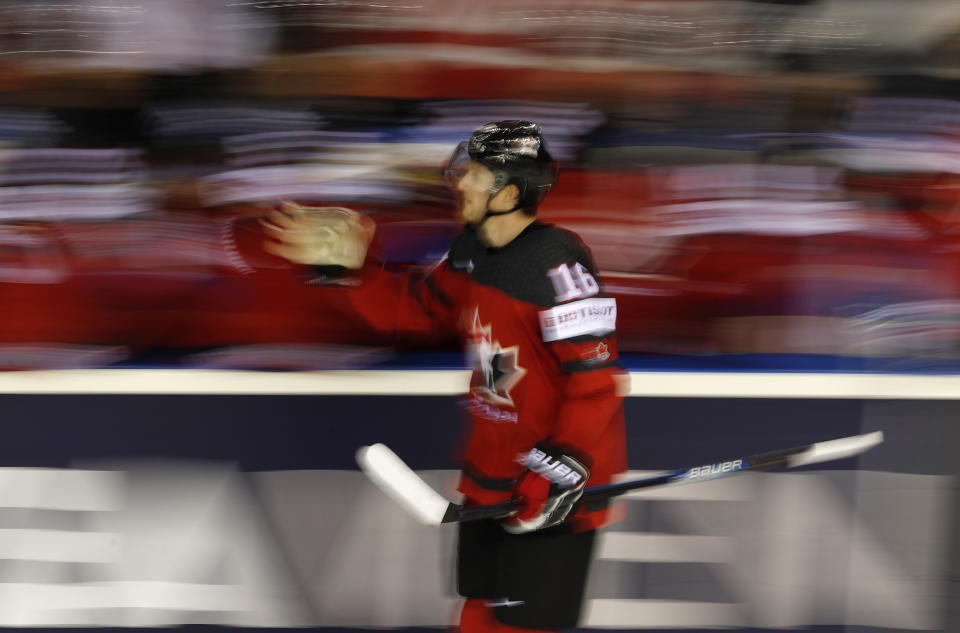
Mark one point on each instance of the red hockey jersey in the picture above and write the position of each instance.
(541, 335)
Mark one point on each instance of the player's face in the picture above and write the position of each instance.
(474, 183)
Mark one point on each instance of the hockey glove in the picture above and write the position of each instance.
(548, 490)
(319, 236)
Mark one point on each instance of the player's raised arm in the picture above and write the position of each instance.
(333, 242)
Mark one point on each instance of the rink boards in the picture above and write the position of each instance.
(148, 498)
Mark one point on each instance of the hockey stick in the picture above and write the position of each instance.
(404, 486)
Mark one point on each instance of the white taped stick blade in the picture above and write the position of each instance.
(836, 449)
(401, 484)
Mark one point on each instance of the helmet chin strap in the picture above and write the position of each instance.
(489, 214)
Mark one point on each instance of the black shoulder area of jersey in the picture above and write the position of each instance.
(521, 268)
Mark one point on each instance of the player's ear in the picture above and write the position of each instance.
(505, 199)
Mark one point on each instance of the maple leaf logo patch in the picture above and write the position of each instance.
(596, 354)
(496, 369)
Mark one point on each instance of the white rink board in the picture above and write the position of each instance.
(444, 382)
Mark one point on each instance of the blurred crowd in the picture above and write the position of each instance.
(753, 177)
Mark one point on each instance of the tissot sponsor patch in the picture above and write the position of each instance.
(587, 316)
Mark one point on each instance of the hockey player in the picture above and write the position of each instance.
(545, 399)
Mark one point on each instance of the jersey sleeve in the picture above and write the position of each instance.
(419, 304)
(579, 331)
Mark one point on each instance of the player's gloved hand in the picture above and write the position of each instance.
(318, 236)
(548, 490)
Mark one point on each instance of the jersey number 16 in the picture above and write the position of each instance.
(572, 284)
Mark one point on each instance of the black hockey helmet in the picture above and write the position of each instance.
(516, 154)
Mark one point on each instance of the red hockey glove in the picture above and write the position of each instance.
(548, 490)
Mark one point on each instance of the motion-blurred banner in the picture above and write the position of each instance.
(135, 505)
